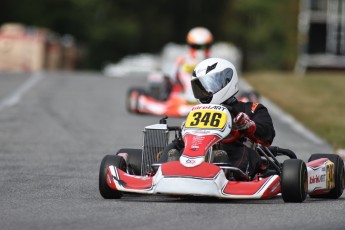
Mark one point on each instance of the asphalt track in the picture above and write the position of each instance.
(55, 129)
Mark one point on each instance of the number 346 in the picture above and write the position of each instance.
(205, 119)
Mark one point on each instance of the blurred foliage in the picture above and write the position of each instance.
(109, 29)
(316, 100)
(266, 31)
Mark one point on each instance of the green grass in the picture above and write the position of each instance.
(317, 100)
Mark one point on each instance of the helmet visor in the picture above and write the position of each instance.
(200, 47)
(204, 87)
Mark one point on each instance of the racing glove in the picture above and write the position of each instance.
(246, 126)
(243, 123)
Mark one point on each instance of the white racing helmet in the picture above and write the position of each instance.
(214, 81)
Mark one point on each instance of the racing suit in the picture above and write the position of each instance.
(181, 75)
(241, 153)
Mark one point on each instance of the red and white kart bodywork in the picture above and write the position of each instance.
(195, 173)
(142, 102)
(163, 97)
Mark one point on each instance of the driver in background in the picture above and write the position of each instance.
(199, 41)
(215, 81)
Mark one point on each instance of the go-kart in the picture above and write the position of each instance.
(196, 173)
(162, 98)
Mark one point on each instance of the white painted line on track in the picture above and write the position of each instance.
(16, 96)
(284, 117)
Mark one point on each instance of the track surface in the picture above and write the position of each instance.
(54, 137)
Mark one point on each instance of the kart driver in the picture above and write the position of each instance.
(199, 41)
(215, 81)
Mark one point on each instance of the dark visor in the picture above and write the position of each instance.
(205, 86)
(200, 47)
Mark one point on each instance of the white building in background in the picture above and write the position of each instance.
(321, 33)
(143, 64)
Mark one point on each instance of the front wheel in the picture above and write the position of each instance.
(339, 175)
(104, 189)
(132, 99)
(294, 181)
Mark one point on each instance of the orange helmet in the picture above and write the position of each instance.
(199, 40)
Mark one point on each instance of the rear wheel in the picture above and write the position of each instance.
(134, 159)
(339, 175)
(294, 181)
(104, 189)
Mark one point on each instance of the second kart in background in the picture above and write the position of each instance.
(170, 94)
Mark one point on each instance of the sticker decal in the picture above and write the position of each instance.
(206, 119)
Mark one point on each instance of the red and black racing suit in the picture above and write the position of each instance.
(241, 156)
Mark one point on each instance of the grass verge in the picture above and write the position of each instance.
(317, 100)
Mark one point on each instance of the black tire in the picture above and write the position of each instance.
(339, 175)
(294, 181)
(134, 160)
(132, 102)
(104, 189)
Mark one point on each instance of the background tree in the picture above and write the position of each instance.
(265, 31)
